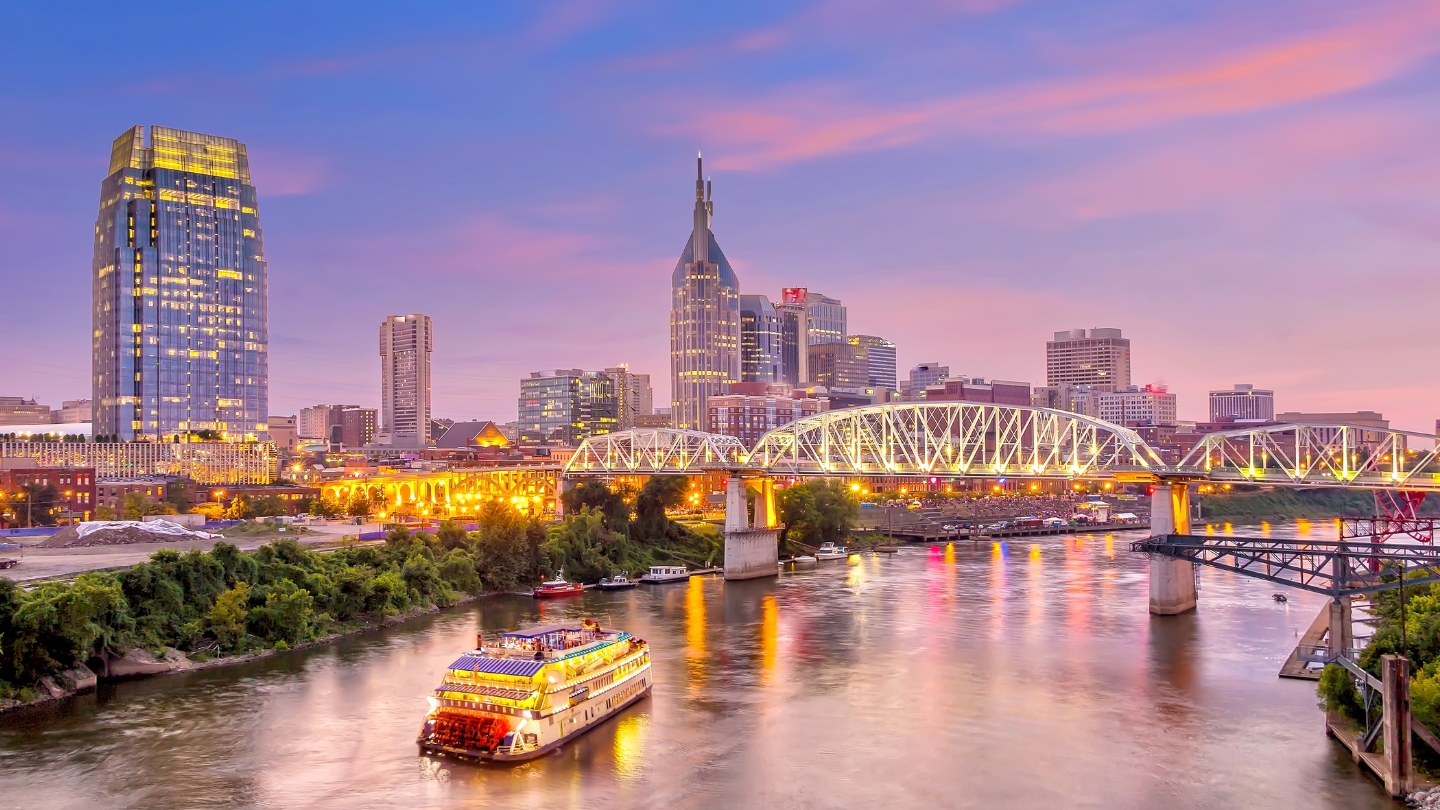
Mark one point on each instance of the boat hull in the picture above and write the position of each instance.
(604, 586)
(557, 593)
(492, 756)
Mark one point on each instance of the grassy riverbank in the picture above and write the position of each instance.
(1253, 504)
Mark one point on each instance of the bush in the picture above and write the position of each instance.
(1338, 693)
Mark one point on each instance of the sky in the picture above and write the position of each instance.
(1249, 190)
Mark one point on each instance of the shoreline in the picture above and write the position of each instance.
(46, 696)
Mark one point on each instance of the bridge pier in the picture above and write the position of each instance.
(1172, 581)
(751, 549)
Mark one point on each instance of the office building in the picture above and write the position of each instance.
(406, 342)
(75, 499)
(181, 327)
(283, 432)
(838, 365)
(22, 411)
(633, 394)
(1245, 402)
(704, 318)
(761, 341)
(1133, 406)
(1099, 358)
(752, 409)
(921, 378)
(350, 425)
(1374, 426)
(205, 462)
(976, 389)
(806, 319)
(565, 406)
(1080, 399)
(879, 360)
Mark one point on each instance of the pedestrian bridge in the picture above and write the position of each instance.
(982, 440)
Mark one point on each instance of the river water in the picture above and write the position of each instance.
(1027, 675)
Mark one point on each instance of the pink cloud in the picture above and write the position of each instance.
(806, 122)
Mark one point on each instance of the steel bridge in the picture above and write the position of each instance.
(983, 440)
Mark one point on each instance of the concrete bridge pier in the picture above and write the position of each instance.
(751, 549)
(1172, 581)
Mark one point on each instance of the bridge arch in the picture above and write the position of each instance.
(655, 451)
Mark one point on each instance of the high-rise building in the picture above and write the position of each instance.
(633, 394)
(1151, 405)
(879, 359)
(1081, 399)
(350, 425)
(405, 345)
(838, 365)
(806, 319)
(1098, 357)
(922, 377)
(1244, 402)
(180, 317)
(704, 318)
(761, 342)
(565, 406)
(282, 432)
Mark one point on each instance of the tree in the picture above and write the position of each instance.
(359, 506)
(268, 506)
(661, 492)
(288, 614)
(326, 507)
(817, 512)
(137, 506)
(228, 617)
(604, 501)
(240, 509)
(37, 504)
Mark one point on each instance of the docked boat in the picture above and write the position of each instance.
(804, 559)
(557, 587)
(830, 551)
(659, 574)
(619, 582)
(533, 690)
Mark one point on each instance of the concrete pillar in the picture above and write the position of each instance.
(737, 516)
(1342, 629)
(1395, 689)
(1172, 581)
(765, 517)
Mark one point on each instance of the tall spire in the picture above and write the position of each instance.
(699, 176)
(700, 236)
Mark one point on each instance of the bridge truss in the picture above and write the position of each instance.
(952, 439)
(1334, 568)
(656, 451)
(1320, 456)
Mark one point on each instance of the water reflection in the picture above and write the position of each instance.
(927, 678)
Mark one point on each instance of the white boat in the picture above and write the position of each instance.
(830, 551)
(665, 573)
(804, 559)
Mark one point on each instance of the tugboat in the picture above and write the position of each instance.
(557, 587)
(533, 690)
(619, 582)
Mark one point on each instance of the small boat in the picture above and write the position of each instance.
(803, 559)
(830, 551)
(557, 587)
(619, 582)
(528, 692)
(660, 574)
(886, 549)
(1280, 597)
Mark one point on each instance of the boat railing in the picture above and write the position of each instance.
(520, 743)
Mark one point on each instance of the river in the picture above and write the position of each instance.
(1028, 675)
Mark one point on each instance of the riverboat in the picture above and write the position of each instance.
(619, 582)
(830, 551)
(531, 691)
(660, 574)
(557, 587)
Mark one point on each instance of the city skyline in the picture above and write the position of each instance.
(918, 207)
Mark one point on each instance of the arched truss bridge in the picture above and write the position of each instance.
(1300, 455)
(981, 440)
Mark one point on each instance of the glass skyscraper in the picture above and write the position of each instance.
(760, 340)
(704, 319)
(180, 315)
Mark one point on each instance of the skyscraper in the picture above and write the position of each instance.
(180, 315)
(806, 319)
(704, 318)
(633, 395)
(760, 340)
(567, 405)
(405, 345)
(1099, 358)
(880, 359)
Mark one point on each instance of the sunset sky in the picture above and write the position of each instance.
(1251, 191)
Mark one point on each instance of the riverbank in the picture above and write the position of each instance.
(177, 663)
(1256, 504)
